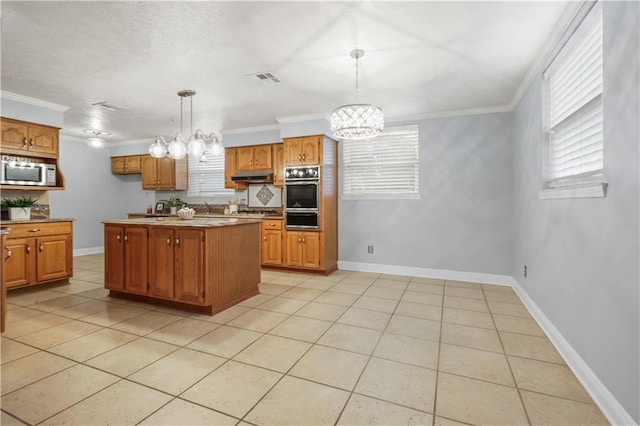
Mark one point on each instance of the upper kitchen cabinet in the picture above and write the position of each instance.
(164, 174)
(231, 168)
(305, 150)
(126, 165)
(29, 139)
(257, 157)
(278, 165)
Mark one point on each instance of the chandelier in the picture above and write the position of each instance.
(197, 144)
(97, 138)
(357, 121)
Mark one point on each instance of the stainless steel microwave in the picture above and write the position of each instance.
(20, 171)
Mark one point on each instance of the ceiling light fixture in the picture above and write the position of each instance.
(177, 148)
(96, 141)
(357, 121)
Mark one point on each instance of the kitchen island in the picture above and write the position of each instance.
(202, 265)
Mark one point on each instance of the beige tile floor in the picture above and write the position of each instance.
(352, 348)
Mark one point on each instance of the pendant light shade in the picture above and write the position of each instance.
(177, 148)
(357, 121)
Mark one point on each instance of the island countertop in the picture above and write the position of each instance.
(196, 222)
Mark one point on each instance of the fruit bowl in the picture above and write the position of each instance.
(186, 213)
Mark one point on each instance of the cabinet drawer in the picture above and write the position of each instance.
(271, 224)
(39, 229)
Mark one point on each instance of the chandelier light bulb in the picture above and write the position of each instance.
(177, 148)
(158, 149)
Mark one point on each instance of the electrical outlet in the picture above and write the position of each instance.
(370, 249)
(525, 271)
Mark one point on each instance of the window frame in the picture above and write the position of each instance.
(581, 185)
(195, 169)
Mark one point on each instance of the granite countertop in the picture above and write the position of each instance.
(219, 215)
(196, 222)
(61, 219)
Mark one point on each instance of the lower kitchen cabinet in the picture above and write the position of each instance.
(303, 249)
(38, 253)
(272, 242)
(125, 258)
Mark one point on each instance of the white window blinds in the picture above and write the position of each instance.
(575, 82)
(207, 179)
(382, 167)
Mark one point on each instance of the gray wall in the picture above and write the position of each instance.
(92, 194)
(582, 254)
(463, 220)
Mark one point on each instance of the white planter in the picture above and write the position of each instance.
(174, 210)
(19, 213)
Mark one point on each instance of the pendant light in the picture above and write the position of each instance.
(357, 121)
(177, 148)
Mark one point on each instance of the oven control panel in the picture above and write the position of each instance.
(301, 173)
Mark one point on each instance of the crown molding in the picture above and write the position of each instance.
(302, 118)
(254, 129)
(447, 114)
(33, 101)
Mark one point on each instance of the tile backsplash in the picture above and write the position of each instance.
(264, 195)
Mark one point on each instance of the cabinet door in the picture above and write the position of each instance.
(292, 152)
(294, 248)
(54, 257)
(117, 165)
(278, 165)
(271, 247)
(189, 266)
(19, 261)
(166, 173)
(149, 173)
(14, 135)
(262, 158)
(43, 140)
(230, 166)
(311, 150)
(135, 259)
(114, 257)
(132, 164)
(245, 158)
(311, 250)
(161, 262)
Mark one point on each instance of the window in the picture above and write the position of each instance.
(574, 120)
(384, 167)
(207, 179)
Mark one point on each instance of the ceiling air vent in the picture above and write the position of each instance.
(266, 76)
(109, 106)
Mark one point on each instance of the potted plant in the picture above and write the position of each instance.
(174, 203)
(19, 208)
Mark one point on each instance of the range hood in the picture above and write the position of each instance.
(258, 176)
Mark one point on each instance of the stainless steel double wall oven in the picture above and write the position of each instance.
(302, 197)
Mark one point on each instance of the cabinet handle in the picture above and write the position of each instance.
(265, 238)
(126, 238)
(24, 141)
(169, 241)
(31, 142)
(41, 248)
(304, 240)
(304, 157)
(272, 224)
(9, 253)
(28, 248)
(34, 230)
(299, 240)
(177, 241)
(118, 237)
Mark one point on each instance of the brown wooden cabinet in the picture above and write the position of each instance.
(231, 168)
(126, 165)
(22, 138)
(303, 249)
(272, 242)
(278, 165)
(200, 268)
(126, 258)
(38, 253)
(257, 157)
(305, 150)
(164, 174)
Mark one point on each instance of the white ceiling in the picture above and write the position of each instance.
(421, 58)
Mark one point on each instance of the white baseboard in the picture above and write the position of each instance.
(611, 408)
(441, 274)
(88, 250)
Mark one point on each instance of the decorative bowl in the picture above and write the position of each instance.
(186, 213)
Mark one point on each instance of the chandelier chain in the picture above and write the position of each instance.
(357, 77)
